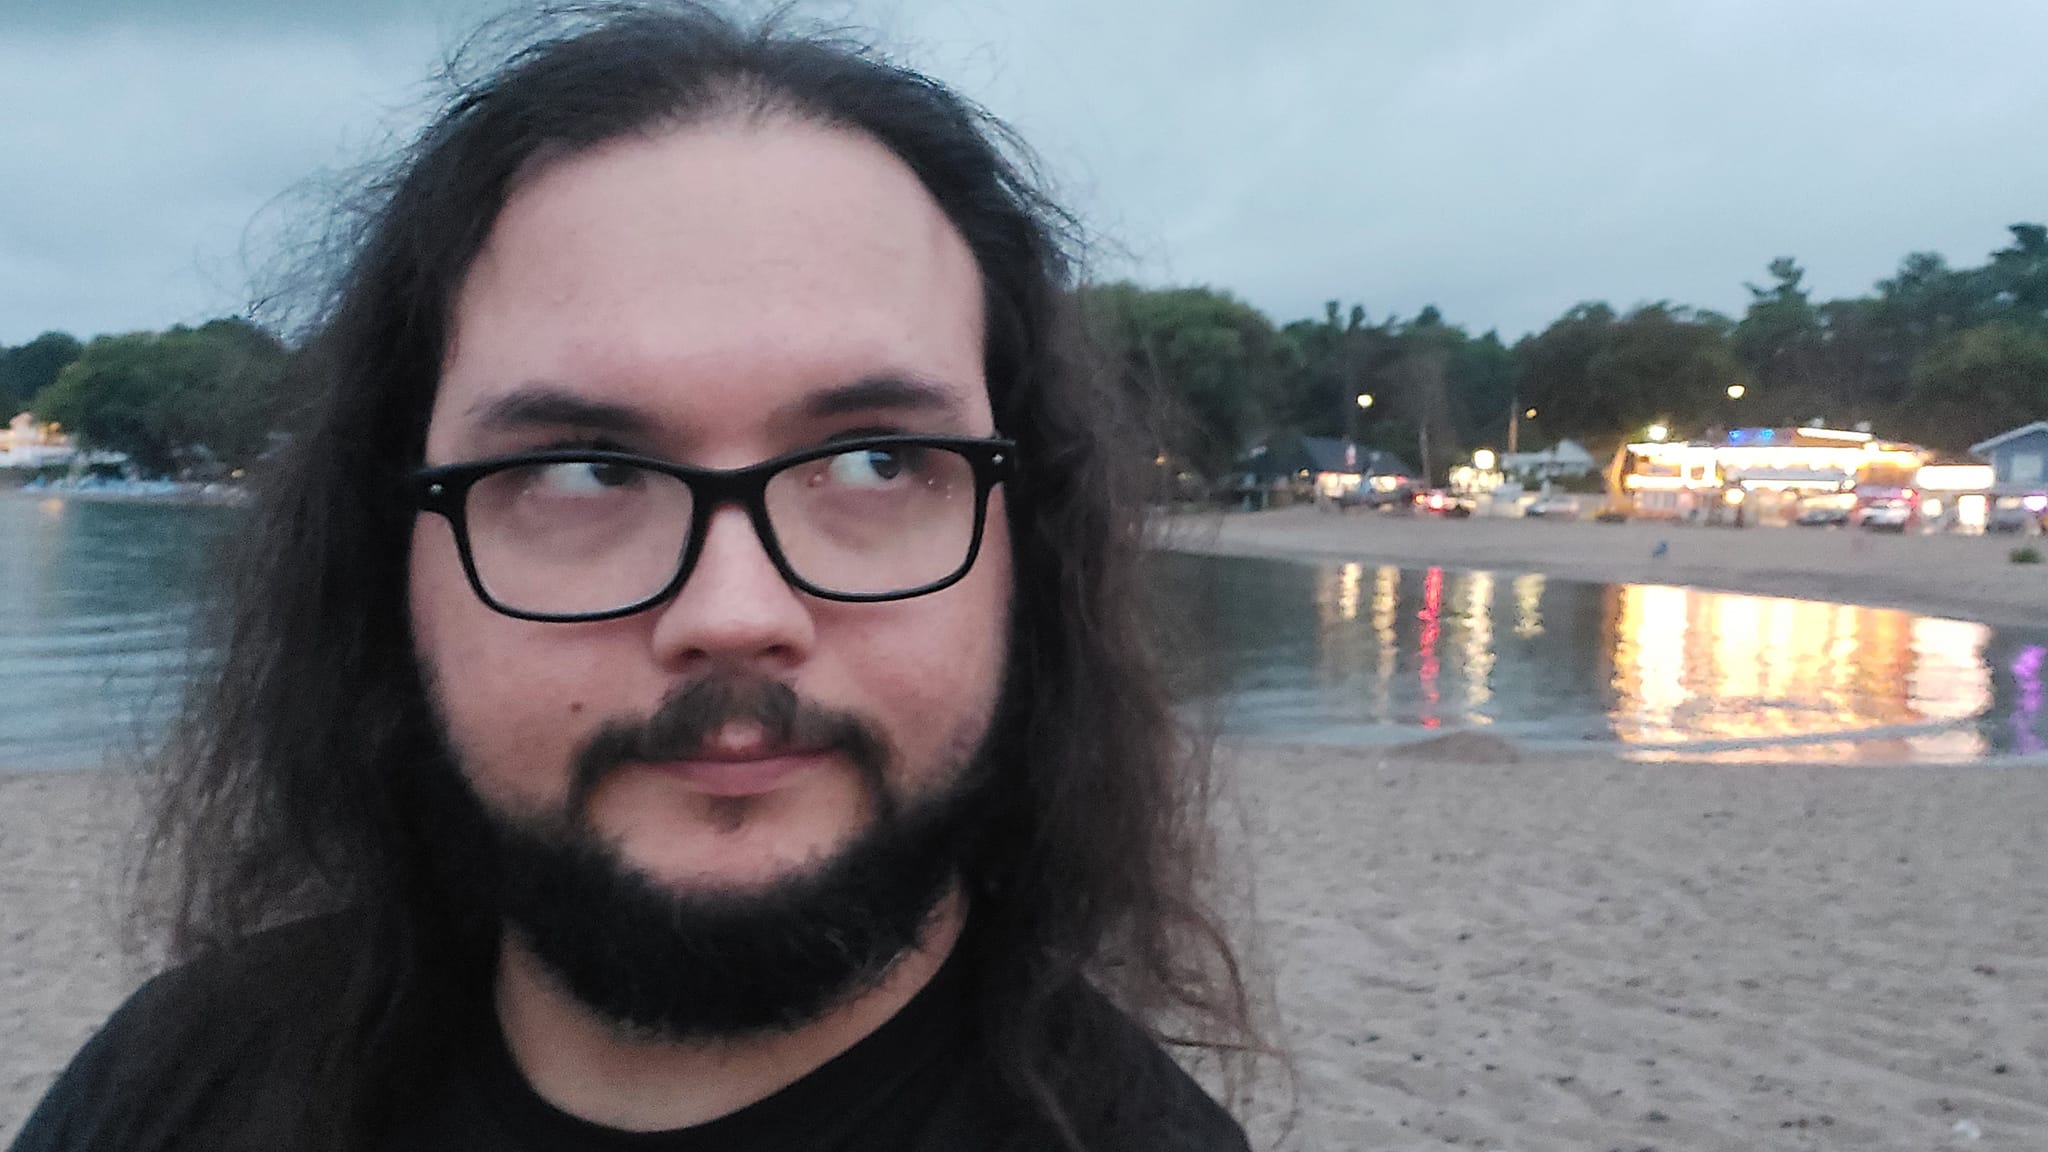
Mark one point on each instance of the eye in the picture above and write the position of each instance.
(583, 477)
(870, 467)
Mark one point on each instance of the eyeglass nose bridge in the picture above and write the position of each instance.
(711, 491)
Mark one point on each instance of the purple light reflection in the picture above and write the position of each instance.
(2026, 672)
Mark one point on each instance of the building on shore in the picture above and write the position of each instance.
(1564, 460)
(2019, 476)
(1324, 469)
(24, 443)
(1759, 475)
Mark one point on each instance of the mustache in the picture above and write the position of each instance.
(690, 715)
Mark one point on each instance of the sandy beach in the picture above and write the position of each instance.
(1969, 577)
(1479, 953)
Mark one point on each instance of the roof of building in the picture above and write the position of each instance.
(1321, 454)
(2004, 438)
(1563, 452)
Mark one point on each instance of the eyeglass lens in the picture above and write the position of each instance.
(569, 538)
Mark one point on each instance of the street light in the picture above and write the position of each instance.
(1659, 433)
(1365, 399)
(1530, 414)
(1736, 391)
(1484, 459)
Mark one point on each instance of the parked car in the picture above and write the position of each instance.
(1443, 502)
(1886, 515)
(2018, 514)
(1825, 511)
(1554, 507)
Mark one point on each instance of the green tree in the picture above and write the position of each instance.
(1551, 373)
(2018, 275)
(183, 400)
(1217, 357)
(1981, 382)
(1779, 341)
(32, 367)
(1601, 378)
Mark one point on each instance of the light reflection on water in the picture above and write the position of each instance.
(1345, 652)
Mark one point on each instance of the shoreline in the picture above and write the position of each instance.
(232, 497)
(1959, 577)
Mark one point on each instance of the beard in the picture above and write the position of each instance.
(662, 963)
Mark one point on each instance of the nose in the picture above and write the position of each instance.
(735, 609)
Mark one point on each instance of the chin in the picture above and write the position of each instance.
(732, 844)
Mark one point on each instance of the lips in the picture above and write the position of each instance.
(753, 774)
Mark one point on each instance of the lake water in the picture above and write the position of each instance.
(96, 600)
(1355, 653)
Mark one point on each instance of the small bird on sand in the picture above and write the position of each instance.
(1662, 550)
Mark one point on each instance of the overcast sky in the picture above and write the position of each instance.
(1501, 160)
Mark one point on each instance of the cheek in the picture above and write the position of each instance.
(938, 665)
(506, 706)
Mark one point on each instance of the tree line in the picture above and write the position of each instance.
(186, 401)
(1937, 355)
(1940, 356)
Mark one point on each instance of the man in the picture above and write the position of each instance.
(688, 686)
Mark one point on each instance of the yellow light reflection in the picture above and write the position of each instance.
(1750, 677)
(1386, 606)
(1477, 605)
(1348, 582)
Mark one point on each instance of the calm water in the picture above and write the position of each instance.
(95, 604)
(1351, 653)
(95, 601)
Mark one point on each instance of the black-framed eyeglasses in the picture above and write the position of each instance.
(585, 534)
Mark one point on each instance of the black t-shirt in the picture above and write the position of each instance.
(920, 1083)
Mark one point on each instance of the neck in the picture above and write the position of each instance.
(582, 1065)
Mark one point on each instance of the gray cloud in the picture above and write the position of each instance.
(1501, 160)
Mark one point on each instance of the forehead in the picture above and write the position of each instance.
(709, 277)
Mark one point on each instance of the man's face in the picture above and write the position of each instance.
(714, 296)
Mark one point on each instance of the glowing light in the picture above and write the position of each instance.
(1734, 496)
(1484, 459)
(1736, 391)
(1835, 434)
(1365, 399)
(2035, 503)
(1659, 433)
(1955, 477)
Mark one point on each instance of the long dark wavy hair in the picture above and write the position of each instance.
(290, 792)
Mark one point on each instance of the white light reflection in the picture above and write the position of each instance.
(1949, 681)
(1386, 605)
(1529, 605)
(1348, 582)
(1476, 604)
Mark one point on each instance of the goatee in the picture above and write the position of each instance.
(660, 963)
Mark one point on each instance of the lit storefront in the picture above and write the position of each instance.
(1758, 475)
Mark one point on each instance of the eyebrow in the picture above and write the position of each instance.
(541, 405)
(879, 393)
(547, 406)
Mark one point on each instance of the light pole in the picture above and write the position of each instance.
(1363, 401)
(1517, 414)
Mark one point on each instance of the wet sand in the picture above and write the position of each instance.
(1542, 955)
(1967, 577)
